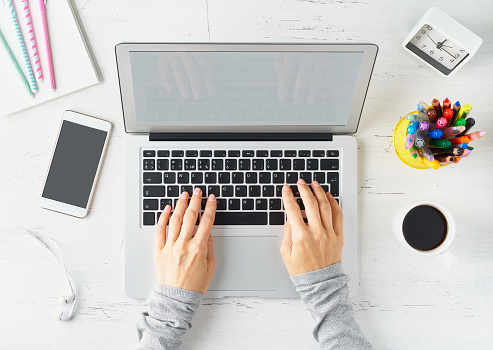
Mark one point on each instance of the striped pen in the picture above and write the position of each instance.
(42, 9)
(9, 6)
(33, 50)
(12, 58)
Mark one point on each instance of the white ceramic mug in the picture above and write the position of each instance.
(442, 252)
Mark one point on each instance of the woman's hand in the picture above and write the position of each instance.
(317, 244)
(184, 260)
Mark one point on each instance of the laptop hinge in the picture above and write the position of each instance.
(237, 136)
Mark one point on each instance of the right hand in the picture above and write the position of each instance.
(318, 243)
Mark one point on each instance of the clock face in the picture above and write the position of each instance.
(437, 49)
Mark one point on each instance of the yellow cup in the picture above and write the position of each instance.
(399, 139)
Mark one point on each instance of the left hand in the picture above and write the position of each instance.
(184, 260)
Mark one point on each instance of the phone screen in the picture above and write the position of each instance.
(74, 164)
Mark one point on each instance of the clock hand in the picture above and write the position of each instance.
(432, 39)
(448, 53)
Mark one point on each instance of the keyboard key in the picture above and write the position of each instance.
(319, 176)
(153, 191)
(150, 204)
(227, 191)
(163, 153)
(163, 164)
(276, 218)
(318, 153)
(196, 178)
(306, 176)
(291, 178)
(206, 153)
(276, 154)
(326, 188)
(205, 164)
(219, 153)
(251, 178)
(165, 202)
(241, 191)
(233, 153)
(239, 218)
(244, 164)
(192, 153)
(274, 204)
(224, 178)
(300, 203)
(278, 178)
(264, 178)
(183, 178)
(173, 191)
(279, 191)
(231, 164)
(337, 200)
(298, 164)
(217, 164)
(188, 189)
(333, 180)
(312, 164)
(222, 204)
(148, 219)
(285, 164)
(203, 203)
(304, 154)
(149, 153)
(149, 164)
(237, 178)
(177, 153)
(295, 190)
(262, 153)
(258, 164)
(248, 153)
(271, 164)
(152, 178)
(289, 153)
(215, 190)
(329, 164)
(234, 204)
(169, 178)
(190, 164)
(332, 153)
(176, 164)
(254, 191)
(268, 191)
(210, 178)
(247, 204)
(261, 204)
(203, 188)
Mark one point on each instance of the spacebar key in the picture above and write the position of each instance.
(238, 218)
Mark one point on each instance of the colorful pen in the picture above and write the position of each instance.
(441, 123)
(466, 109)
(9, 6)
(455, 114)
(414, 152)
(413, 127)
(470, 148)
(413, 117)
(462, 145)
(425, 152)
(448, 114)
(466, 153)
(460, 122)
(432, 115)
(33, 50)
(475, 135)
(420, 140)
(449, 151)
(448, 159)
(446, 104)
(460, 140)
(47, 42)
(435, 134)
(410, 140)
(440, 143)
(438, 109)
(424, 125)
(453, 131)
(16, 65)
(422, 108)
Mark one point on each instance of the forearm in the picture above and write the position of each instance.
(325, 294)
(170, 315)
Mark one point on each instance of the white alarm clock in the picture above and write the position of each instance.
(441, 42)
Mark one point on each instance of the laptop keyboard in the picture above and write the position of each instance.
(247, 183)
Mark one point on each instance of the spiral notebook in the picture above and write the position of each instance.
(75, 67)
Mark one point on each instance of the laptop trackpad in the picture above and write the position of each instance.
(246, 263)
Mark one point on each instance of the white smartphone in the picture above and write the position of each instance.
(75, 164)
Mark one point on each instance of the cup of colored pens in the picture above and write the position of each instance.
(439, 135)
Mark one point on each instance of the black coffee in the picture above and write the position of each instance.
(424, 227)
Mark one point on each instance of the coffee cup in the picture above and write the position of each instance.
(426, 228)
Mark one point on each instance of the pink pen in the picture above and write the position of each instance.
(47, 42)
(32, 41)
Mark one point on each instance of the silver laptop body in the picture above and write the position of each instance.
(238, 119)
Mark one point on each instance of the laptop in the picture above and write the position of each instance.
(239, 121)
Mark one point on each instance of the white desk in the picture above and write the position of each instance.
(404, 301)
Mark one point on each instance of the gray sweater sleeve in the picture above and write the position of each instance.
(170, 315)
(325, 294)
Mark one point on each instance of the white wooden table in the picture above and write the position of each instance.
(404, 302)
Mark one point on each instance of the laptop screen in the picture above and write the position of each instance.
(254, 88)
